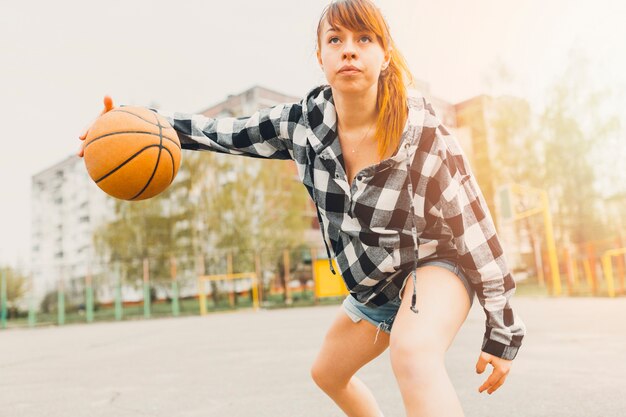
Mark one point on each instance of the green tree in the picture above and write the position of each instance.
(139, 230)
(217, 204)
(573, 127)
(16, 285)
(517, 157)
(257, 207)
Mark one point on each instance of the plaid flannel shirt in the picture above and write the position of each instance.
(386, 222)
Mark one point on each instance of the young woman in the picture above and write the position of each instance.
(387, 179)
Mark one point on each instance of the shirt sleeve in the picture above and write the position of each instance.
(457, 199)
(267, 133)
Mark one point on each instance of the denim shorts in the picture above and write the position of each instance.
(382, 317)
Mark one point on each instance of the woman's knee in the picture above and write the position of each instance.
(346, 348)
(327, 378)
(415, 359)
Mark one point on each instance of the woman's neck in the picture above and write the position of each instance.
(356, 112)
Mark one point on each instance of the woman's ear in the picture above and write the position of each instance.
(387, 59)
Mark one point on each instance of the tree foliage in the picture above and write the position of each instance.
(217, 204)
(16, 284)
(563, 148)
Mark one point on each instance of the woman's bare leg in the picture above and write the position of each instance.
(346, 348)
(419, 342)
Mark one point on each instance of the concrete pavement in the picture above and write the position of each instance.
(246, 363)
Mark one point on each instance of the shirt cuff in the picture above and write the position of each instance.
(499, 349)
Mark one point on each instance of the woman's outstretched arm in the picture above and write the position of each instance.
(267, 133)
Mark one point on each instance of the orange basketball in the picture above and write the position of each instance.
(132, 153)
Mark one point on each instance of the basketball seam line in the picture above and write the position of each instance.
(136, 115)
(173, 165)
(131, 131)
(132, 157)
(168, 151)
(125, 162)
(156, 165)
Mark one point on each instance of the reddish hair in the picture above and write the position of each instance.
(357, 15)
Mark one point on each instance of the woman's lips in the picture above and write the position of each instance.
(349, 72)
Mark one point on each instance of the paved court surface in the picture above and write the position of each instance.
(248, 363)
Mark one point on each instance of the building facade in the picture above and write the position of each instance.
(67, 206)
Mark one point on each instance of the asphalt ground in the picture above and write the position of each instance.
(246, 363)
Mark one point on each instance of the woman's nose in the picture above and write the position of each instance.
(349, 52)
(349, 49)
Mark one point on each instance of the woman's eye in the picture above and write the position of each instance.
(362, 37)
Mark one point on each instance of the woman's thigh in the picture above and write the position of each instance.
(443, 305)
(347, 346)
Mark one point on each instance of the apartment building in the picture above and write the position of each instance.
(67, 206)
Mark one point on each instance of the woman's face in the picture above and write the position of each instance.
(339, 47)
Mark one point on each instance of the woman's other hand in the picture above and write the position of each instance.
(501, 368)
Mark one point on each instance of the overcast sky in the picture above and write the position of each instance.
(60, 58)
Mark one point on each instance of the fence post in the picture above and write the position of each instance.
(229, 270)
(118, 291)
(620, 264)
(539, 263)
(3, 297)
(146, 288)
(88, 296)
(316, 299)
(31, 308)
(288, 299)
(568, 271)
(259, 275)
(61, 299)
(592, 277)
(201, 295)
(175, 305)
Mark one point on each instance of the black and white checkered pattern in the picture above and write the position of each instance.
(376, 242)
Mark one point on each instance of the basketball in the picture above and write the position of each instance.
(132, 153)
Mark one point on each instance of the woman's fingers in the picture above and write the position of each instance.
(491, 381)
(83, 135)
(108, 106)
(497, 384)
(501, 368)
(81, 150)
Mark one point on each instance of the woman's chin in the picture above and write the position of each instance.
(347, 86)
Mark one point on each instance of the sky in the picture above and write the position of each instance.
(60, 58)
